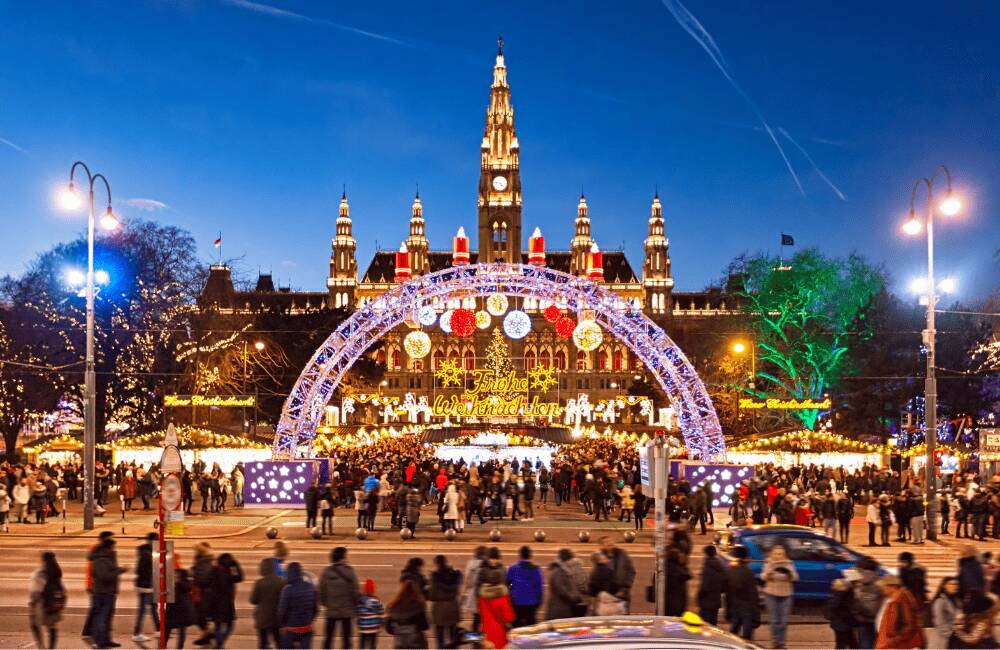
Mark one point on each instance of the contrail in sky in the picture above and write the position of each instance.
(697, 31)
(268, 10)
(13, 146)
(812, 162)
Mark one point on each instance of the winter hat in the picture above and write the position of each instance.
(369, 586)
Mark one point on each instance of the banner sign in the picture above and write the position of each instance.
(989, 444)
(493, 396)
(784, 404)
(236, 401)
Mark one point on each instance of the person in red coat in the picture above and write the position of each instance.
(495, 610)
(803, 513)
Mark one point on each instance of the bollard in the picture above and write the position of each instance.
(495, 535)
(450, 534)
(316, 532)
(361, 533)
(584, 536)
(405, 533)
(629, 536)
(272, 532)
(539, 535)
(122, 499)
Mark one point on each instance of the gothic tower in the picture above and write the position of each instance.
(656, 281)
(500, 175)
(580, 246)
(417, 242)
(343, 278)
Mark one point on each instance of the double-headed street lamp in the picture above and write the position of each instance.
(949, 207)
(71, 201)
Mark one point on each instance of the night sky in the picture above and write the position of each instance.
(247, 118)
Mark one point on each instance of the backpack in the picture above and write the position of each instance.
(54, 599)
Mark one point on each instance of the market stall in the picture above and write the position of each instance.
(196, 444)
(806, 447)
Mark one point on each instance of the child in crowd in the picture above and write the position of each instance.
(371, 615)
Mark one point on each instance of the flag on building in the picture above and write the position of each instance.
(787, 240)
(218, 242)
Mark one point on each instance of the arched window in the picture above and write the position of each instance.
(380, 357)
(616, 359)
(438, 359)
(470, 360)
(453, 355)
(545, 359)
(418, 364)
(529, 359)
(581, 360)
(397, 359)
(602, 359)
(561, 360)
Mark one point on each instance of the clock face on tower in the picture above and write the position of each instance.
(499, 183)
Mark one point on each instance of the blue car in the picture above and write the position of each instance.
(818, 559)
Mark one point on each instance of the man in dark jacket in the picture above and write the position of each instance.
(914, 577)
(297, 608)
(264, 597)
(105, 573)
(339, 591)
(622, 568)
(565, 599)
(712, 586)
(144, 588)
(742, 599)
(525, 580)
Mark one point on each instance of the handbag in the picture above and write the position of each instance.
(608, 605)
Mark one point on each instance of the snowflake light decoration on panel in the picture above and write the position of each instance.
(497, 304)
(483, 319)
(516, 324)
(450, 373)
(426, 316)
(565, 326)
(463, 322)
(417, 344)
(588, 336)
(542, 378)
(445, 321)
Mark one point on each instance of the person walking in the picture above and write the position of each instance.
(451, 507)
(712, 586)
(407, 617)
(742, 599)
(973, 627)
(828, 513)
(621, 566)
(565, 598)
(494, 602)
(678, 576)
(779, 576)
(971, 578)
(22, 496)
(866, 599)
(413, 503)
(264, 597)
(311, 500)
(914, 577)
(899, 624)
(470, 587)
(297, 608)
(873, 520)
(144, 589)
(221, 596)
(838, 611)
(845, 512)
(339, 592)
(201, 574)
(526, 584)
(640, 506)
(46, 600)
(944, 609)
(106, 574)
(602, 587)
(180, 613)
(886, 515)
(446, 583)
(371, 615)
(326, 512)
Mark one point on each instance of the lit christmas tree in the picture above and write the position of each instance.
(498, 356)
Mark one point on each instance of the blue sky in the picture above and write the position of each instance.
(246, 118)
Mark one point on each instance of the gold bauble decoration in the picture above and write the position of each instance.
(588, 336)
(496, 304)
(417, 344)
(483, 319)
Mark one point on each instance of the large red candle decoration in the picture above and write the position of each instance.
(536, 248)
(460, 248)
(595, 264)
(402, 264)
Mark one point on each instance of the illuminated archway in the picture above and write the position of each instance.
(303, 409)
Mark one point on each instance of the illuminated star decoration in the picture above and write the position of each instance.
(450, 373)
(542, 378)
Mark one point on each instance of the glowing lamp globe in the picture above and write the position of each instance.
(417, 344)
(69, 199)
(565, 326)
(496, 304)
(445, 321)
(912, 226)
(516, 324)
(552, 314)
(483, 319)
(463, 322)
(588, 336)
(426, 316)
(950, 206)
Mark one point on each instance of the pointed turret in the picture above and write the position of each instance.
(417, 242)
(580, 246)
(343, 278)
(656, 281)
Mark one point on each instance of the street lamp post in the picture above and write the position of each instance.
(109, 222)
(739, 347)
(949, 207)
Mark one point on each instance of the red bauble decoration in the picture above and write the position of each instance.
(564, 327)
(463, 322)
(552, 314)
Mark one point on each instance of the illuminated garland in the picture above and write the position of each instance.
(805, 435)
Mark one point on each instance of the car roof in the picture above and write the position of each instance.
(621, 631)
(762, 529)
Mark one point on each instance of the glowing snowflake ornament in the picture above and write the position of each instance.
(445, 321)
(426, 316)
(517, 324)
